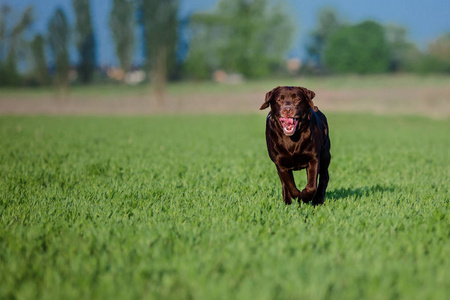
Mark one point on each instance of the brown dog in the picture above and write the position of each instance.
(297, 138)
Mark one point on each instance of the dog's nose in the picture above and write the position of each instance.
(287, 112)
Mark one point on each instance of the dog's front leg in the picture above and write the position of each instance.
(310, 189)
(288, 183)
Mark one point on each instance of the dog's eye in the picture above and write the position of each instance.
(279, 100)
(296, 100)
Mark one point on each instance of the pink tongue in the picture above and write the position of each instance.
(287, 121)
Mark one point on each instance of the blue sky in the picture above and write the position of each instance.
(425, 20)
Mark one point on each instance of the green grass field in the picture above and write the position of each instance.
(190, 207)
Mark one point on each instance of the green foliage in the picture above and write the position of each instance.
(160, 26)
(39, 61)
(437, 58)
(58, 37)
(190, 207)
(360, 48)
(121, 22)
(9, 76)
(13, 46)
(403, 53)
(4, 12)
(85, 37)
(328, 22)
(370, 48)
(246, 37)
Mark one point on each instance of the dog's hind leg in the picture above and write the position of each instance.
(319, 198)
(324, 177)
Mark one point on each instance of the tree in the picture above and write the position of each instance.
(437, 58)
(12, 44)
(159, 20)
(361, 48)
(247, 37)
(4, 12)
(58, 37)
(39, 62)
(402, 52)
(85, 40)
(122, 24)
(328, 23)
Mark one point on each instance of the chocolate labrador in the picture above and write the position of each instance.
(297, 138)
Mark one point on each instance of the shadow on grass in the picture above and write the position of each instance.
(356, 193)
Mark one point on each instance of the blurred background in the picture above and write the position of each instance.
(145, 56)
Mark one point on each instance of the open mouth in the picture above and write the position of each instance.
(289, 125)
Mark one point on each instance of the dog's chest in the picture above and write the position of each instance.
(293, 155)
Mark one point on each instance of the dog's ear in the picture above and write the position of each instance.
(269, 97)
(309, 95)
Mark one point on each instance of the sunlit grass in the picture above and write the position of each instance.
(190, 207)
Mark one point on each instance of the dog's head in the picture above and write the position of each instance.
(290, 105)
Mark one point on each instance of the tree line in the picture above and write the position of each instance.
(250, 38)
(336, 46)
